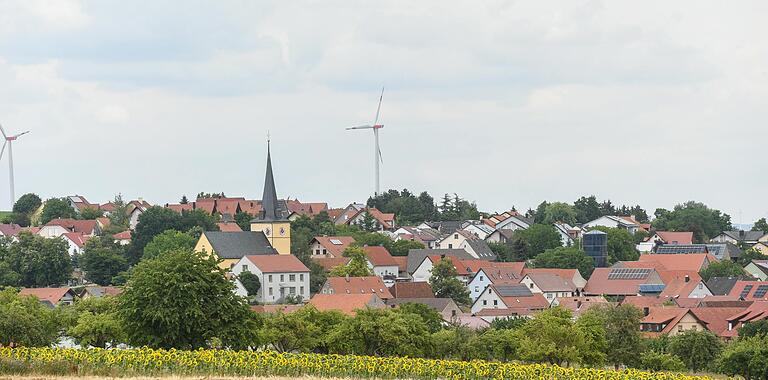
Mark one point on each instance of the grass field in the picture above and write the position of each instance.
(3, 214)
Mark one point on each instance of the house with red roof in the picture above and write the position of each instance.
(550, 285)
(51, 297)
(501, 301)
(59, 227)
(382, 221)
(310, 209)
(356, 285)
(229, 226)
(669, 320)
(122, 238)
(381, 263)
(695, 262)
(347, 304)
(664, 237)
(465, 268)
(329, 246)
(579, 304)
(328, 263)
(280, 276)
(757, 311)
(750, 290)
(75, 241)
(411, 290)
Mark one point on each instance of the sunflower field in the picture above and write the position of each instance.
(145, 361)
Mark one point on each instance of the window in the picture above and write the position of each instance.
(292, 290)
(495, 302)
(245, 268)
(701, 286)
(270, 291)
(301, 277)
(455, 236)
(324, 251)
(291, 277)
(450, 246)
(301, 290)
(282, 278)
(485, 302)
(270, 278)
(481, 278)
(549, 295)
(317, 252)
(531, 285)
(489, 290)
(477, 288)
(680, 328)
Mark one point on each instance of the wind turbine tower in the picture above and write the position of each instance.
(377, 159)
(9, 143)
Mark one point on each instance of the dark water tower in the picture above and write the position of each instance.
(595, 244)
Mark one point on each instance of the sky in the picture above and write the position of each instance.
(506, 103)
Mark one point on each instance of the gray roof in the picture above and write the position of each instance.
(482, 249)
(518, 290)
(446, 226)
(438, 304)
(724, 250)
(270, 207)
(721, 286)
(681, 248)
(416, 256)
(748, 235)
(235, 245)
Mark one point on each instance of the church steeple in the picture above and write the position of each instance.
(269, 204)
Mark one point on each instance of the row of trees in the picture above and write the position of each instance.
(411, 209)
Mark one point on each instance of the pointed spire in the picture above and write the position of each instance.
(269, 203)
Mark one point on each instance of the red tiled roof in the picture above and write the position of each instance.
(358, 285)
(578, 305)
(10, 229)
(669, 316)
(534, 301)
(643, 301)
(716, 318)
(412, 290)
(125, 235)
(675, 284)
(600, 284)
(386, 220)
(77, 237)
(335, 250)
(229, 227)
(345, 303)
(73, 225)
(740, 287)
(549, 282)
(52, 295)
(108, 207)
(206, 204)
(277, 263)
(309, 209)
(670, 237)
(329, 263)
(105, 222)
(564, 273)
(690, 262)
(271, 309)
(334, 213)
(181, 207)
(379, 256)
(402, 263)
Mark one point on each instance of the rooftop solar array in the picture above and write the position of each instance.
(760, 292)
(513, 291)
(629, 273)
(717, 250)
(336, 242)
(681, 248)
(651, 288)
(745, 291)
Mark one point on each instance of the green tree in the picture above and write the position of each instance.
(760, 225)
(502, 250)
(243, 220)
(24, 321)
(746, 358)
(559, 212)
(91, 213)
(704, 222)
(56, 208)
(538, 238)
(445, 284)
(357, 266)
(102, 260)
(431, 318)
(170, 240)
(27, 204)
(183, 300)
(119, 218)
(551, 337)
(96, 323)
(566, 258)
(697, 349)
(622, 332)
(381, 332)
(369, 223)
(749, 255)
(401, 247)
(407, 207)
(250, 282)
(40, 262)
(8, 277)
(725, 268)
(654, 361)
(755, 328)
(596, 343)
(587, 209)
(621, 245)
(290, 332)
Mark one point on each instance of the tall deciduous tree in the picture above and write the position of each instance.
(40, 262)
(622, 332)
(725, 268)
(559, 212)
(381, 332)
(170, 240)
(182, 299)
(27, 204)
(538, 238)
(704, 222)
(357, 266)
(587, 209)
(446, 285)
(102, 260)
(250, 282)
(24, 321)
(566, 258)
(96, 322)
(56, 208)
(697, 349)
(760, 225)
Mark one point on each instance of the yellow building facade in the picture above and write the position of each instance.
(278, 232)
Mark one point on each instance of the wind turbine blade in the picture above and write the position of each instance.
(3, 131)
(378, 109)
(21, 134)
(361, 127)
(3, 150)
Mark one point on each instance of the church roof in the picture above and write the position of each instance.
(270, 207)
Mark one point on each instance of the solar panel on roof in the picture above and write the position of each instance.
(745, 291)
(760, 292)
(513, 291)
(628, 273)
(651, 288)
(681, 248)
(336, 242)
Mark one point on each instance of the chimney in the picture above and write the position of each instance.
(687, 278)
(646, 311)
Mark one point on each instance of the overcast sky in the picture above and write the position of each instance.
(504, 102)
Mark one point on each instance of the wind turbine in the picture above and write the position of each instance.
(376, 149)
(9, 142)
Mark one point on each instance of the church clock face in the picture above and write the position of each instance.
(267, 231)
(282, 231)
